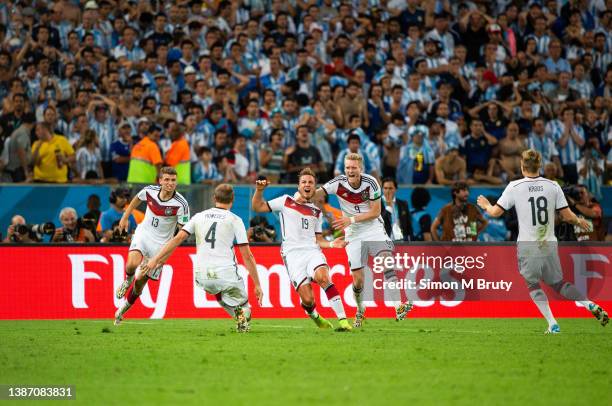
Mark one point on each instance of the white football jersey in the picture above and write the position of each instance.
(356, 201)
(536, 200)
(299, 223)
(215, 231)
(161, 216)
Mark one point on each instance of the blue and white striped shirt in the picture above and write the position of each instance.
(106, 132)
(200, 172)
(570, 153)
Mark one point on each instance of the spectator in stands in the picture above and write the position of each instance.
(589, 209)
(205, 171)
(20, 151)
(178, 156)
(510, 149)
(146, 159)
(302, 155)
(478, 151)
(72, 229)
(396, 213)
(460, 220)
(569, 138)
(51, 156)
(121, 150)
(417, 159)
(88, 157)
(450, 168)
(591, 168)
(271, 157)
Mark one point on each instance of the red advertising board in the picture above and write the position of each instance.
(70, 282)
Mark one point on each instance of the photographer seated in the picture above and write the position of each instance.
(116, 235)
(73, 229)
(18, 232)
(119, 198)
(580, 201)
(260, 230)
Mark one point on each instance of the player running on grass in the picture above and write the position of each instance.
(536, 199)
(359, 196)
(166, 210)
(301, 228)
(216, 271)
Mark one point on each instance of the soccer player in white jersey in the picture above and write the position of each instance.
(536, 199)
(301, 227)
(359, 195)
(216, 270)
(166, 210)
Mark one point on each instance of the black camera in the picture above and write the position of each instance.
(35, 231)
(118, 234)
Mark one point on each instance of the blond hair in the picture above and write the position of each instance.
(224, 193)
(352, 156)
(532, 161)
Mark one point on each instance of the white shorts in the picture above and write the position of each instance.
(148, 248)
(231, 291)
(537, 268)
(374, 244)
(301, 265)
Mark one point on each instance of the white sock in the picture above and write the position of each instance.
(313, 315)
(358, 299)
(394, 295)
(126, 306)
(539, 298)
(334, 299)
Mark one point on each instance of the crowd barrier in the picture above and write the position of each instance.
(78, 281)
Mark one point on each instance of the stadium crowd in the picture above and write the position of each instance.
(427, 91)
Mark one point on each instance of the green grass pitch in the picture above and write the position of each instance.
(417, 361)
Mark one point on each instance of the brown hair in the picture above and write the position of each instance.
(532, 161)
(307, 172)
(224, 193)
(167, 170)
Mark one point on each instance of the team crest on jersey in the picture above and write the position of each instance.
(365, 194)
(169, 211)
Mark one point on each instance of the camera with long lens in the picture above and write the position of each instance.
(118, 235)
(35, 231)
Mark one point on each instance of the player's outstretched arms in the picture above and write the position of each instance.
(570, 217)
(258, 202)
(337, 243)
(493, 211)
(251, 266)
(167, 250)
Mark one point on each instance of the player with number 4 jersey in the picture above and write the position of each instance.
(301, 230)
(217, 230)
(166, 210)
(536, 200)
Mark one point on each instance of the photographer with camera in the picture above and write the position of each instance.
(580, 201)
(116, 235)
(119, 198)
(18, 232)
(260, 230)
(73, 228)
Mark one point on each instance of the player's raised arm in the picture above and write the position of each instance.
(258, 202)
